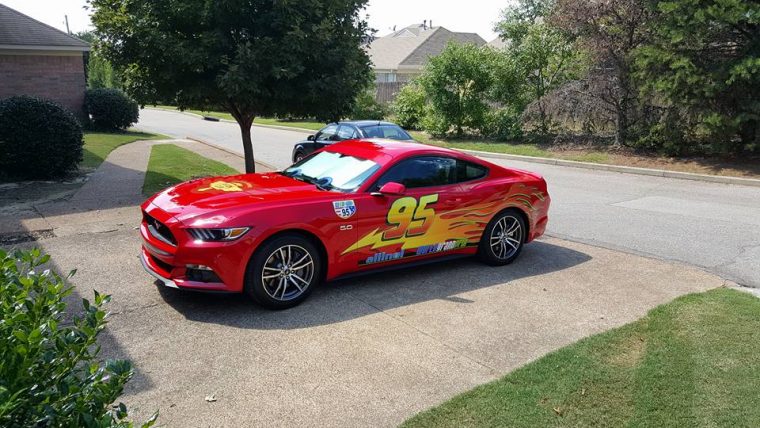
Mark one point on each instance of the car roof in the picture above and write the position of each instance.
(363, 123)
(383, 150)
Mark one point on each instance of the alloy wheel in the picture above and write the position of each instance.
(506, 237)
(287, 272)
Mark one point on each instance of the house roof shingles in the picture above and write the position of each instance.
(18, 31)
(412, 46)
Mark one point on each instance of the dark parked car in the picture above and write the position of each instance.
(347, 130)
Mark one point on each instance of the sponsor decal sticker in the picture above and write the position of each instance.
(344, 209)
(226, 186)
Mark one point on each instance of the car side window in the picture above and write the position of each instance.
(395, 133)
(467, 171)
(424, 171)
(346, 132)
(327, 133)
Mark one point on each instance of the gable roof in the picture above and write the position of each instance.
(498, 43)
(18, 31)
(412, 46)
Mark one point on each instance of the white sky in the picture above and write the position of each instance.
(474, 16)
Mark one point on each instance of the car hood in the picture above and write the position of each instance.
(219, 199)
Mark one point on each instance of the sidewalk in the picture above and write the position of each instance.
(109, 200)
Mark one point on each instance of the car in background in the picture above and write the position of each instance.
(349, 130)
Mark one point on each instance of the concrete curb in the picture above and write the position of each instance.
(226, 150)
(284, 128)
(622, 169)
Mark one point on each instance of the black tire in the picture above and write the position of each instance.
(298, 156)
(278, 285)
(503, 239)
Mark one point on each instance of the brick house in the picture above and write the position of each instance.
(37, 59)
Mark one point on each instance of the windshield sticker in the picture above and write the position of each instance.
(344, 209)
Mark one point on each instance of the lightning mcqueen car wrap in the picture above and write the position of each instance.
(349, 208)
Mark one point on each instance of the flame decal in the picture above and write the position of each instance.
(465, 223)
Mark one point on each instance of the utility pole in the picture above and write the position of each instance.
(67, 23)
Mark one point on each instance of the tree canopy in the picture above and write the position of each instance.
(250, 58)
(706, 58)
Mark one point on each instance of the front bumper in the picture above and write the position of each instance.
(172, 256)
(165, 281)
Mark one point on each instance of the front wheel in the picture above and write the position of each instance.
(283, 272)
(503, 238)
(298, 156)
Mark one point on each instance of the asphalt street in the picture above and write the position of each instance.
(709, 225)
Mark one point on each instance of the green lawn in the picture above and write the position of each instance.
(303, 124)
(692, 362)
(97, 145)
(169, 165)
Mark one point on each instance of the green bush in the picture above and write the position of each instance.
(409, 106)
(503, 124)
(49, 374)
(367, 107)
(457, 83)
(110, 109)
(39, 139)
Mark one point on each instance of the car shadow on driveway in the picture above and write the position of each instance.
(344, 300)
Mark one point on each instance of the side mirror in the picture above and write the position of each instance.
(310, 138)
(391, 189)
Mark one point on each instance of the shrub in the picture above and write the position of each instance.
(39, 139)
(503, 124)
(435, 123)
(409, 106)
(457, 83)
(49, 374)
(367, 107)
(110, 109)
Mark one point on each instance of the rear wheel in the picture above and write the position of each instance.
(283, 272)
(503, 238)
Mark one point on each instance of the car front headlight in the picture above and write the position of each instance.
(218, 235)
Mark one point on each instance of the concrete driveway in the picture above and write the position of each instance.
(370, 351)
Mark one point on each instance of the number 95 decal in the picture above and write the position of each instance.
(410, 217)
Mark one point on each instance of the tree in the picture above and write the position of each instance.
(546, 59)
(611, 30)
(537, 59)
(100, 73)
(516, 20)
(706, 59)
(248, 57)
(457, 83)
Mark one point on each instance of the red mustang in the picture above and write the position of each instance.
(351, 207)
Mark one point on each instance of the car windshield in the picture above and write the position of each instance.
(333, 171)
(392, 132)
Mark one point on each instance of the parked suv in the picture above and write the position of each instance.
(347, 130)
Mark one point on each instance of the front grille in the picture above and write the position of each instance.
(159, 230)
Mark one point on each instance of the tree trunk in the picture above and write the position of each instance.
(623, 107)
(621, 125)
(245, 130)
